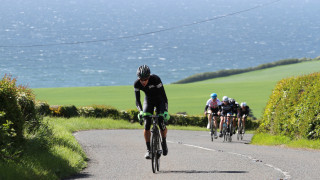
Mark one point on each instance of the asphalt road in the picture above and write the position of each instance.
(119, 154)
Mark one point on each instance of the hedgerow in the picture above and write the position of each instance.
(102, 111)
(229, 72)
(293, 109)
(17, 113)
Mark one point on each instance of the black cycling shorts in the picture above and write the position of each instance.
(149, 106)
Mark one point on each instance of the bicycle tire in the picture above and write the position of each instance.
(153, 152)
(158, 152)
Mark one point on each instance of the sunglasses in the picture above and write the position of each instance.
(145, 79)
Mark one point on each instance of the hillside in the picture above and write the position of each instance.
(253, 87)
(229, 72)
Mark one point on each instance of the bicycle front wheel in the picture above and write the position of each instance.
(154, 152)
(159, 152)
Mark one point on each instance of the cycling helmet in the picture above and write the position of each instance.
(213, 95)
(225, 98)
(232, 101)
(143, 72)
(243, 104)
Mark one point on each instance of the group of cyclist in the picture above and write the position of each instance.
(155, 98)
(228, 110)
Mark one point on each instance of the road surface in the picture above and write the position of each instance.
(119, 154)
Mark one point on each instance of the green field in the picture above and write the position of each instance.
(253, 87)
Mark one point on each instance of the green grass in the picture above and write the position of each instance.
(62, 155)
(253, 87)
(271, 140)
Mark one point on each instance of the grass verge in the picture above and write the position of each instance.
(271, 140)
(54, 153)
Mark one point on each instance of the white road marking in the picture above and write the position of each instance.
(286, 174)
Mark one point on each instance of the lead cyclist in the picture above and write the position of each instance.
(155, 97)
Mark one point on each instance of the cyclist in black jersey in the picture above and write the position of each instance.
(244, 111)
(235, 108)
(155, 97)
(225, 110)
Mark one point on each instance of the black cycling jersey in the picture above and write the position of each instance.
(234, 107)
(155, 96)
(225, 108)
(154, 91)
(245, 111)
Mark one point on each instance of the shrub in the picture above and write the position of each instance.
(86, 111)
(43, 108)
(125, 115)
(64, 111)
(101, 111)
(133, 115)
(68, 111)
(7, 133)
(294, 108)
(17, 111)
(9, 105)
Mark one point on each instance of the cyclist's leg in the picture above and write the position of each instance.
(163, 129)
(209, 117)
(234, 122)
(215, 124)
(243, 122)
(215, 117)
(147, 107)
(239, 119)
(228, 119)
(221, 122)
(228, 122)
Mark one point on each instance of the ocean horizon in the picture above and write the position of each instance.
(102, 43)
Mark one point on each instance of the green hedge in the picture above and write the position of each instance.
(293, 109)
(17, 113)
(224, 73)
(101, 111)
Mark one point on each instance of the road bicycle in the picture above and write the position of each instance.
(156, 151)
(226, 134)
(240, 133)
(213, 132)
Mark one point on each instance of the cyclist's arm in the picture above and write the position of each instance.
(138, 102)
(163, 94)
(206, 108)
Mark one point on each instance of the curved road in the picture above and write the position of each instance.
(119, 154)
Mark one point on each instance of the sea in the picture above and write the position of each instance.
(80, 43)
